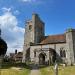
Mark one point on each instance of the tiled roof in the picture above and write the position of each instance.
(54, 39)
(19, 54)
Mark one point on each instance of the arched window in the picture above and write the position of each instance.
(62, 53)
(34, 53)
(30, 27)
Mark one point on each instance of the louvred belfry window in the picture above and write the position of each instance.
(30, 27)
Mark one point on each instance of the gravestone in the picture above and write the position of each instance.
(56, 69)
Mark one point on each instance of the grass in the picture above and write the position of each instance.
(47, 71)
(69, 70)
(12, 69)
(14, 72)
(7, 70)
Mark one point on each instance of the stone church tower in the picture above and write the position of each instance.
(70, 45)
(34, 31)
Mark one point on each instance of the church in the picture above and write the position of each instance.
(42, 49)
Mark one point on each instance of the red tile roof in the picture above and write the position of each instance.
(54, 39)
(19, 54)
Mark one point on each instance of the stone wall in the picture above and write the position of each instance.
(55, 47)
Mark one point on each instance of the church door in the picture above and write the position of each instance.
(41, 59)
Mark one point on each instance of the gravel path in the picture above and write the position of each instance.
(35, 70)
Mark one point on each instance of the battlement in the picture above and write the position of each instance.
(70, 30)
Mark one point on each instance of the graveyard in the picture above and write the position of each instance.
(37, 37)
(68, 70)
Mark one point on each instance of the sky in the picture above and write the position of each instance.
(58, 15)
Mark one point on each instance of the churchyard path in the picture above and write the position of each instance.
(35, 70)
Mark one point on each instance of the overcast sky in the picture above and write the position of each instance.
(58, 15)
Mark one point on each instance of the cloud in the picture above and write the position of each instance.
(16, 12)
(38, 2)
(27, 0)
(8, 10)
(11, 32)
(32, 1)
(4, 9)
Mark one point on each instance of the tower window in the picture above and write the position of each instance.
(34, 53)
(30, 27)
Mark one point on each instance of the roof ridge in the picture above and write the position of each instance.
(56, 35)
